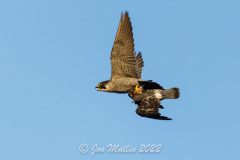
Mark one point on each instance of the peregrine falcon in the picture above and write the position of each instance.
(126, 66)
(148, 100)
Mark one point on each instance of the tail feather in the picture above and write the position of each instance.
(172, 93)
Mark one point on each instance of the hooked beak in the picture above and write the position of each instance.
(98, 86)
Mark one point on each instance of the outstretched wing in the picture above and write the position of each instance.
(140, 64)
(148, 107)
(123, 58)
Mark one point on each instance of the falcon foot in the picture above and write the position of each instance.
(137, 89)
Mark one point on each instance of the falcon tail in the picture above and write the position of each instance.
(172, 93)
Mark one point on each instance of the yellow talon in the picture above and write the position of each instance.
(137, 89)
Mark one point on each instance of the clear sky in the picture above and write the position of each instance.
(53, 54)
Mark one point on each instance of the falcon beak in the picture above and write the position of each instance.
(98, 86)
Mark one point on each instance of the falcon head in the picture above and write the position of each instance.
(102, 86)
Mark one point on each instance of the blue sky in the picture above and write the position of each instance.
(53, 54)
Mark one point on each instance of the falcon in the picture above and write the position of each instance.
(126, 66)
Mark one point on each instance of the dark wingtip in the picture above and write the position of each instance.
(160, 118)
(164, 118)
(160, 106)
(157, 117)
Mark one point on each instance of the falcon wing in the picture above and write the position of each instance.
(148, 107)
(139, 64)
(123, 58)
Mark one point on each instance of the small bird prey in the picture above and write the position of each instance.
(148, 100)
(126, 66)
(148, 88)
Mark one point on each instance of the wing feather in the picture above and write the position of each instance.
(148, 107)
(123, 58)
(140, 64)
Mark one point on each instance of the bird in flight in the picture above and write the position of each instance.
(126, 70)
(126, 66)
(148, 100)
